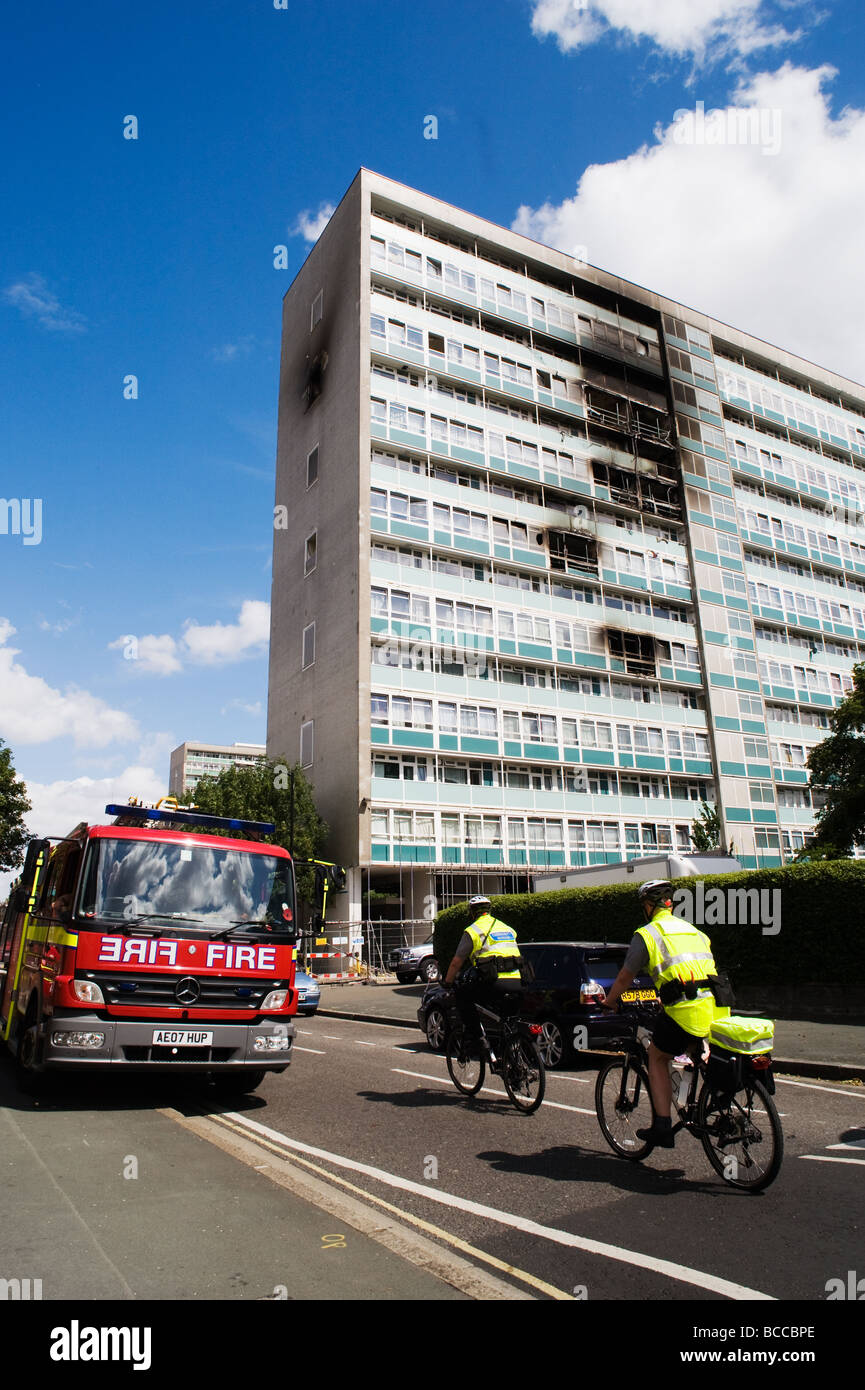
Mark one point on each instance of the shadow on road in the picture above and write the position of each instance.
(83, 1091)
(572, 1163)
(425, 1099)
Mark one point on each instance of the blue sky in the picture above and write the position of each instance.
(154, 257)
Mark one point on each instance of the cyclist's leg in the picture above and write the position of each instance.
(465, 996)
(659, 1081)
(668, 1040)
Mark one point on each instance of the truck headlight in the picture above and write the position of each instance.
(78, 1039)
(275, 999)
(272, 1042)
(87, 992)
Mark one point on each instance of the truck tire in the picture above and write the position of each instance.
(28, 1070)
(429, 970)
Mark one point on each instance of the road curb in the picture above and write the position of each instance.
(826, 1071)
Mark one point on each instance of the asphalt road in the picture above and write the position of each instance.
(533, 1192)
(438, 1196)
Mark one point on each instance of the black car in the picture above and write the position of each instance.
(570, 979)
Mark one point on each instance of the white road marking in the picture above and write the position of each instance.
(446, 1081)
(853, 1144)
(359, 1042)
(331, 1037)
(669, 1268)
(316, 1050)
(833, 1090)
(824, 1158)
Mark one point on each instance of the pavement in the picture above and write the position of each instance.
(833, 1050)
(109, 1196)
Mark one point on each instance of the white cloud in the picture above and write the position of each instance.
(212, 644)
(703, 29)
(59, 806)
(770, 243)
(155, 655)
(33, 298)
(310, 225)
(229, 351)
(32, 711)
(156, 749)
(219, 643)
(255, 708)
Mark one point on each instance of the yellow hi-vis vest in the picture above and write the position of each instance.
(678, 951)
(492, 938)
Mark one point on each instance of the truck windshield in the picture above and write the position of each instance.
(196, 885)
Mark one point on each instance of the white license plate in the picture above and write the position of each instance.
(181, 1037)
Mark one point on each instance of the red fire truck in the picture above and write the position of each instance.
(152, 945)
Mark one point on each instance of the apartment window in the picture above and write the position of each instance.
(306, 743)
(317, 310)
(309, 557)
(308, 645)
(312, 466)
(756, 748)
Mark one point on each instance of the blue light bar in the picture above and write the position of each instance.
(145, 813)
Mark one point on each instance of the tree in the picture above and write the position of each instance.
(14, 805)
(270, 791)
(706, 829)
(837, 774)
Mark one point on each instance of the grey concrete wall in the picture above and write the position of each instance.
(326, 692)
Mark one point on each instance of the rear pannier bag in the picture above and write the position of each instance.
(747, 1036)
(733, 1040)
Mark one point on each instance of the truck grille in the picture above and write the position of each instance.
(142, 991)
(181, 1054)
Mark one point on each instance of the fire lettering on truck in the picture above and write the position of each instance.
(118, 948)
(241, 957)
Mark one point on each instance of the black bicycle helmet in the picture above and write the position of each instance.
(656, 891)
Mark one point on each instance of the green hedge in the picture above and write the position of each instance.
(821, 911)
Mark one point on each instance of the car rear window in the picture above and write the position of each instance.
(604, 966)
(556, 965)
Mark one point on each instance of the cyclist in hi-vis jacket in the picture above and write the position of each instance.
(491, 947)
(679, 959)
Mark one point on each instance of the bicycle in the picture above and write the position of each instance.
(746, 1153)
(519, 1064)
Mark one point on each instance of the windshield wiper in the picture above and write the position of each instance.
(227, 931)
(140, 924)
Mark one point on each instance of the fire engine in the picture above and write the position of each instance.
(152, 945)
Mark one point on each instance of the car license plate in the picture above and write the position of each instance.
(633, 996)
(181, 1037)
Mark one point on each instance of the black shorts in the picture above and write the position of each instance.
(669, 1036)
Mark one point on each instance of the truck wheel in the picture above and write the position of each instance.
(429, 970)
(30, 1077)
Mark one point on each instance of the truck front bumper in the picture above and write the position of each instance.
(84, 1040)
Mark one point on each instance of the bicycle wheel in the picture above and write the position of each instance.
(524, 1074)
(744, 1147)
(465, 1063)
(623, 1103)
